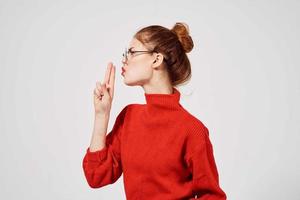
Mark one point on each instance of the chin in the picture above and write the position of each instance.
(129, 83)
(132, 82)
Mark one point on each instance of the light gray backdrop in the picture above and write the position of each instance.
(244, 87)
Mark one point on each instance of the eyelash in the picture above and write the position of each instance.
(130, 51)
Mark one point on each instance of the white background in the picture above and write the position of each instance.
(244, 87)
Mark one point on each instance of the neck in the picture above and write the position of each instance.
(158, 90)
(159, 84)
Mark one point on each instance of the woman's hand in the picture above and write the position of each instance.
(104, 92)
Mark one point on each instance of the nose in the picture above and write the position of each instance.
(124, 62)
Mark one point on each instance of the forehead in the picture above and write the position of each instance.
(135, 43)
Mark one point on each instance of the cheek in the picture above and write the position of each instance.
(138, 74)
(139, 71)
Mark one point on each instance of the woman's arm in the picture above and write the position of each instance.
(205, 175)
(201, 164)
(103, 166)
(99, 132)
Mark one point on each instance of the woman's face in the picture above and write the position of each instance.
(137, 70)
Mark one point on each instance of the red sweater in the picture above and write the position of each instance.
(163, 151)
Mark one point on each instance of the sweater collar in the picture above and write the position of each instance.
(163, 100)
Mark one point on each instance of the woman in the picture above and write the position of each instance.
(163, 151)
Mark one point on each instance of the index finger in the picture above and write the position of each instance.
(112, 80)
(107, 73)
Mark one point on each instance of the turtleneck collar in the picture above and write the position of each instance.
(163, 100)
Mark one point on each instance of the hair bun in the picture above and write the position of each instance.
(182, 31)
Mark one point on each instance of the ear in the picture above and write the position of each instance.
(158, 59)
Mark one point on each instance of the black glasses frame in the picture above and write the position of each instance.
(130, 51)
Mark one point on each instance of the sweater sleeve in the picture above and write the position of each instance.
(104, 166)
(201, 163)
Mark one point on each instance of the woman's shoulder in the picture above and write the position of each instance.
(132, 106)
(129, 108)
(194, 125)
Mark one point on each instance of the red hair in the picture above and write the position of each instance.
(174, 44)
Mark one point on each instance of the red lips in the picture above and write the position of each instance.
(123, 70)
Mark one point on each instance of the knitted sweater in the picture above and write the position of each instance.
(163, 151)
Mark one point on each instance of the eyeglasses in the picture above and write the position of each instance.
(131, 53)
